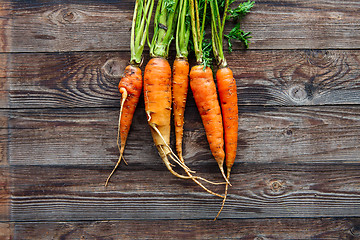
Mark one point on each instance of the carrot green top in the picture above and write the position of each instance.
(197, 29)
(218, 24)
(183, 30)
(140, 29)
(164, 26)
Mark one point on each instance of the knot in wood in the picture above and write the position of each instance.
(65, 16)
(276, 188)
(69, 16)
(113, 68)
(298, 93)
(258, 238)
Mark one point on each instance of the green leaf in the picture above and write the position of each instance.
(237, 34)
(240, 11)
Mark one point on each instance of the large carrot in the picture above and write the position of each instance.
(130, 86)
(204, 90)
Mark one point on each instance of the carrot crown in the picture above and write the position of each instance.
(197, 29)
(140, 29)
(164, 26)
(217, 31)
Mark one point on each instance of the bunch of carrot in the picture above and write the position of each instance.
(165, 90)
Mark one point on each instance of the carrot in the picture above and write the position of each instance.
(130, 86)
(204, 90)
(180, 82)
(228, 98)
(180, 87)
(225, 79)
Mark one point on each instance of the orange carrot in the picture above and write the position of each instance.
(157, 96)
(130, 88)
(228, 99)
(204, 90)
(180, 87)
(130, 85)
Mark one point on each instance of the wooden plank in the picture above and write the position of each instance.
(263, 78)
(52, 26)
(4, 175)
(138, 192)
(104, 25)
(266, 134)
(325, 228)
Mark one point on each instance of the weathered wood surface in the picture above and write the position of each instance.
(272, 229)
(46, 193)
(297, 171)
(104, 25)
(281, 77)
(266, 134)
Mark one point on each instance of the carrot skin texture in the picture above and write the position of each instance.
(228, 101)
(180, 86)
(157, 97)
(204, 90)
(132, 82)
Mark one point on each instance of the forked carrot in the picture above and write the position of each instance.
(130, 86)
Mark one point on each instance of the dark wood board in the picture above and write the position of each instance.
(266, 134)
(104, 25)
(243, 229)
(266, 77)
(58, 193)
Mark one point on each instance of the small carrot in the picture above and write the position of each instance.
(130, 86)
(180, 87)
(226, 82)
(228, 98)
(181, 68)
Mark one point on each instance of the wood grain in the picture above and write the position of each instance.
(45, 193)
(320, 134)
(104, 25)
(244, 229)
(287, 78)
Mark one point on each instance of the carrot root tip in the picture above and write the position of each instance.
(223, 174)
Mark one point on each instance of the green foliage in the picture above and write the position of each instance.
(169, 5)
(240, 11)
(237, 34)
(208, 54)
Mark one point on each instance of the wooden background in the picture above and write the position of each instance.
(298, 165)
